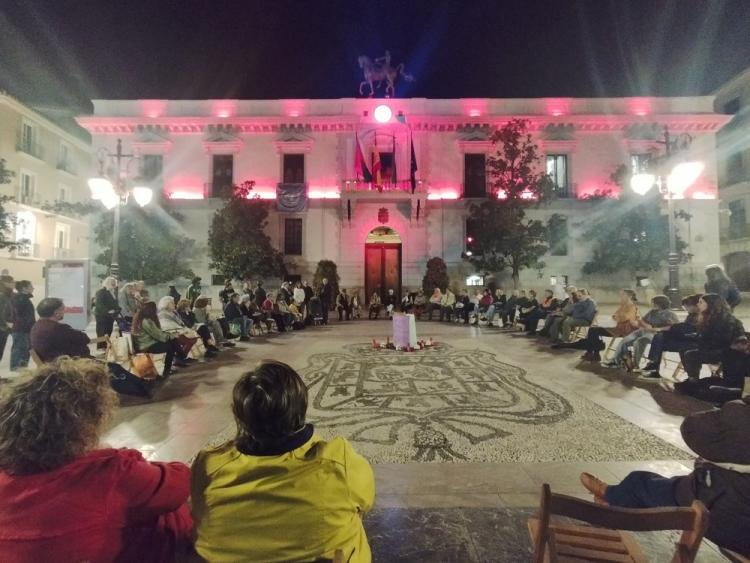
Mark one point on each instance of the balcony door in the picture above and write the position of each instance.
(382, 263)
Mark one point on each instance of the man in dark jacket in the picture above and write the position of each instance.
(106, 308)
(23, 320)
(326, 295)
(720, 479)
(6, 310)
(260, 295)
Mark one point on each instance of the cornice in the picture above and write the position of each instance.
(588, 123)
(222, 147)
(293, 146)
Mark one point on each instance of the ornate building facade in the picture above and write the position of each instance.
(431, 157)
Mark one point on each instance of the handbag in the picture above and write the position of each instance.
(125, 383)
(119, 350)
(143, 366)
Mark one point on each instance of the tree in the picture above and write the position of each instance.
(237, 243)
(151, 246)
(629, 234)
(329, 270)
(6, 219)
(436, 276)
(501, 236)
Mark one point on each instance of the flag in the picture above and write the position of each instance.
(360, 165)
(376, 177)
(413, 171)
(394, 176)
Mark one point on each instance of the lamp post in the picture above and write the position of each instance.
(680, 178)
(114, 195)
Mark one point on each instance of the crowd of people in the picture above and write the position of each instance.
(236, 499)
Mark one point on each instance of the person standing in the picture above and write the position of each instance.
(260, 294)
(174, 294)
(128, 302)
(193, 291)
(718, 282)
(326, 295)
(6, 310)
(226, 294)
(23, 320)
(342, 305)
(105, 308)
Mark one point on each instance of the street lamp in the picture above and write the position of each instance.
(113, 195)
(680, 178)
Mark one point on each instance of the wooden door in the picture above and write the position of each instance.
(382, 269)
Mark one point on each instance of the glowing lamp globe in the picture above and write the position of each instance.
(110, 200)
(382, 114)
(642, 183)
(100, 187)
(683, 176)
(142, 195)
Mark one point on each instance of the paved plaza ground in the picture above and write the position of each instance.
(461, 437)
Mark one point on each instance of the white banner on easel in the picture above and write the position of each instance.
(404, 331)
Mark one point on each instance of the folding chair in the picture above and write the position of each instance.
(564, 542)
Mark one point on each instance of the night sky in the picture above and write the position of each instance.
(69, 51)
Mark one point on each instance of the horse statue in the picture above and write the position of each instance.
(378, 71)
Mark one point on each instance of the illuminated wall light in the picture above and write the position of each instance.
(502, 194)
(703, 195)
(153, 108)
(324, 194)
(474, 113)
(433, 197)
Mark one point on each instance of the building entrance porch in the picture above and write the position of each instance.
(382, 263)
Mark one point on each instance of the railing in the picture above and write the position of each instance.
(24, 144)
(67, 165)
(27, 199)
(27, 250)
(362, 186)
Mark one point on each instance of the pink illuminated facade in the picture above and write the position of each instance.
(198, 146)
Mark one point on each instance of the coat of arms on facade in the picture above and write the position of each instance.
(380, 71)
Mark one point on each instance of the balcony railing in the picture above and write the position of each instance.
(26, 198)
(399, 187)
(67, 165)
(28, 146)
(27, 250)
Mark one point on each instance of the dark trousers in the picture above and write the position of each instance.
(104, 328)
(205, 335)
(171, 349)
(508, 315)
(446, 312)
(593, 342)
(712, 389)
(643, 489)
(667, 342)
(431, 307)
(20, 350)
(279, 320)
(693, 360)
(532, 320)
(466, 311)
(343, 312)
(374, 312)
(3, 342)
(326, 309)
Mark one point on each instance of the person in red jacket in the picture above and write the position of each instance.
(66, 500)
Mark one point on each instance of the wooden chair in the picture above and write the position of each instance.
(565, 542)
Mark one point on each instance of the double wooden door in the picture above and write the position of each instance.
(382, 269)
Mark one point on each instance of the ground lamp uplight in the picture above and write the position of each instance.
(114, 194)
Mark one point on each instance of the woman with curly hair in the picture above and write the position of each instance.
(65, 499)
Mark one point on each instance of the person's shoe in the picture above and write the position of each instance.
(652, 374)
(596, 357)
(228, 344)
(244, 339)
(667, 385)
(595, 486)
(587, 357)
(181, 363)
(611, 364)
(211, 353)
(629, 363)
(651, 366)
(191, 360)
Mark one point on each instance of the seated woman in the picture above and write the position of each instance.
(658, 319)
(188, 319)
(484, 303)
(447, 304)
(464, 306)
(374, 308)
(355, 309)
(498, 302)
(720, 478)
(171, 321)
(272, 313)
(564, 307)
(527, 305)
(626, 321)
(343, 305)
(297, 316)
(508, 310)
(251, 311)
(420, 302)
(204, 316)
(233, 315)
(390, 303)
(64, 499)
(548, 304)
(407, 301)
(277, 475)
(677, 338)
(282, 309)
(718, 330)
(435, 303)
(149, 337)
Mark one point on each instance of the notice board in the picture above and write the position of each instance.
(69, 280)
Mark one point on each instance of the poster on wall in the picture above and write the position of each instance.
(69, 280)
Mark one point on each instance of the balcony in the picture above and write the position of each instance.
(62, 253)
(28, 146)
(31, 199)
(403, 186)
(26, 250)
(67, 165)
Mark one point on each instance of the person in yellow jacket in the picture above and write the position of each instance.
(278, 491)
